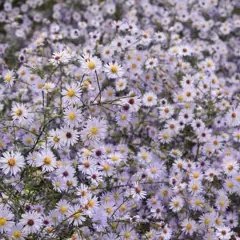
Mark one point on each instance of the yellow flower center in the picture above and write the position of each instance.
(165, 136)
(17, 234)
(188, 226)
(94, 131)
(3, 221)
(29, 140)
(123, 116)
(150, 98)
(197, 202)
(18, 112)
(91, 65)
(218, 221)
(58, 184)
(195, 175)
(72, 116)
(106, 167)
(71, 92)
(40, 85)
(91, 203)
(230, 167)
(109, 210)
(11, 162)
(63, 209)
(114, 158)
(238, 178)
(206, 221)
(56, 139)
(127, 235)
(8, 77)
(180, 98)
(123, 208)
(47, 160)
(77, 215)
(222, 203)
(134, 65)
(153, 170)
(176, 204)
(114, 69)
(194, 187)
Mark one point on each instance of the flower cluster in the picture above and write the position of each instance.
(120, 119)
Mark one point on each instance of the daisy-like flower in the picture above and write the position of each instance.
(189, 226)
(176, 204)
(48, 87)
(165, 136)
(54, 139)
(63, 208)
(185, 50)
(123, 119)
(233, 117)
(6, 219)
(224, 233)
(75, 215)
(149, 99)
(207, 220)
(114, 70)
(60, 57)
(94, 130)
(115, 158)
(11, 162)
(132, 103)
(195, 187)
(236, 135)
(151, 63)
(69, 136)
(209, 64)
(137, 192)
(16, 233)
(46, 160)
(90, 65)
(72, 116)
(121, 84)
(9, 77)
(230, 166)
(166, 111)
(20, 113)
(31, 222)
(72, 93)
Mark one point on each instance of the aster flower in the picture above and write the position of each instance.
(6, 219)
(137, 192)
(75, 215)
(11, 162)
(149, 99)
(72, 93)
(189, 226)
(72, 116)
(176, 204)
(9, 77)
(31, 222)
(224, 233)
(90, 65)
(114, 70)
(60, 57)
(69, 136)
(20, 113)
(95, 130)
(46, 160)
